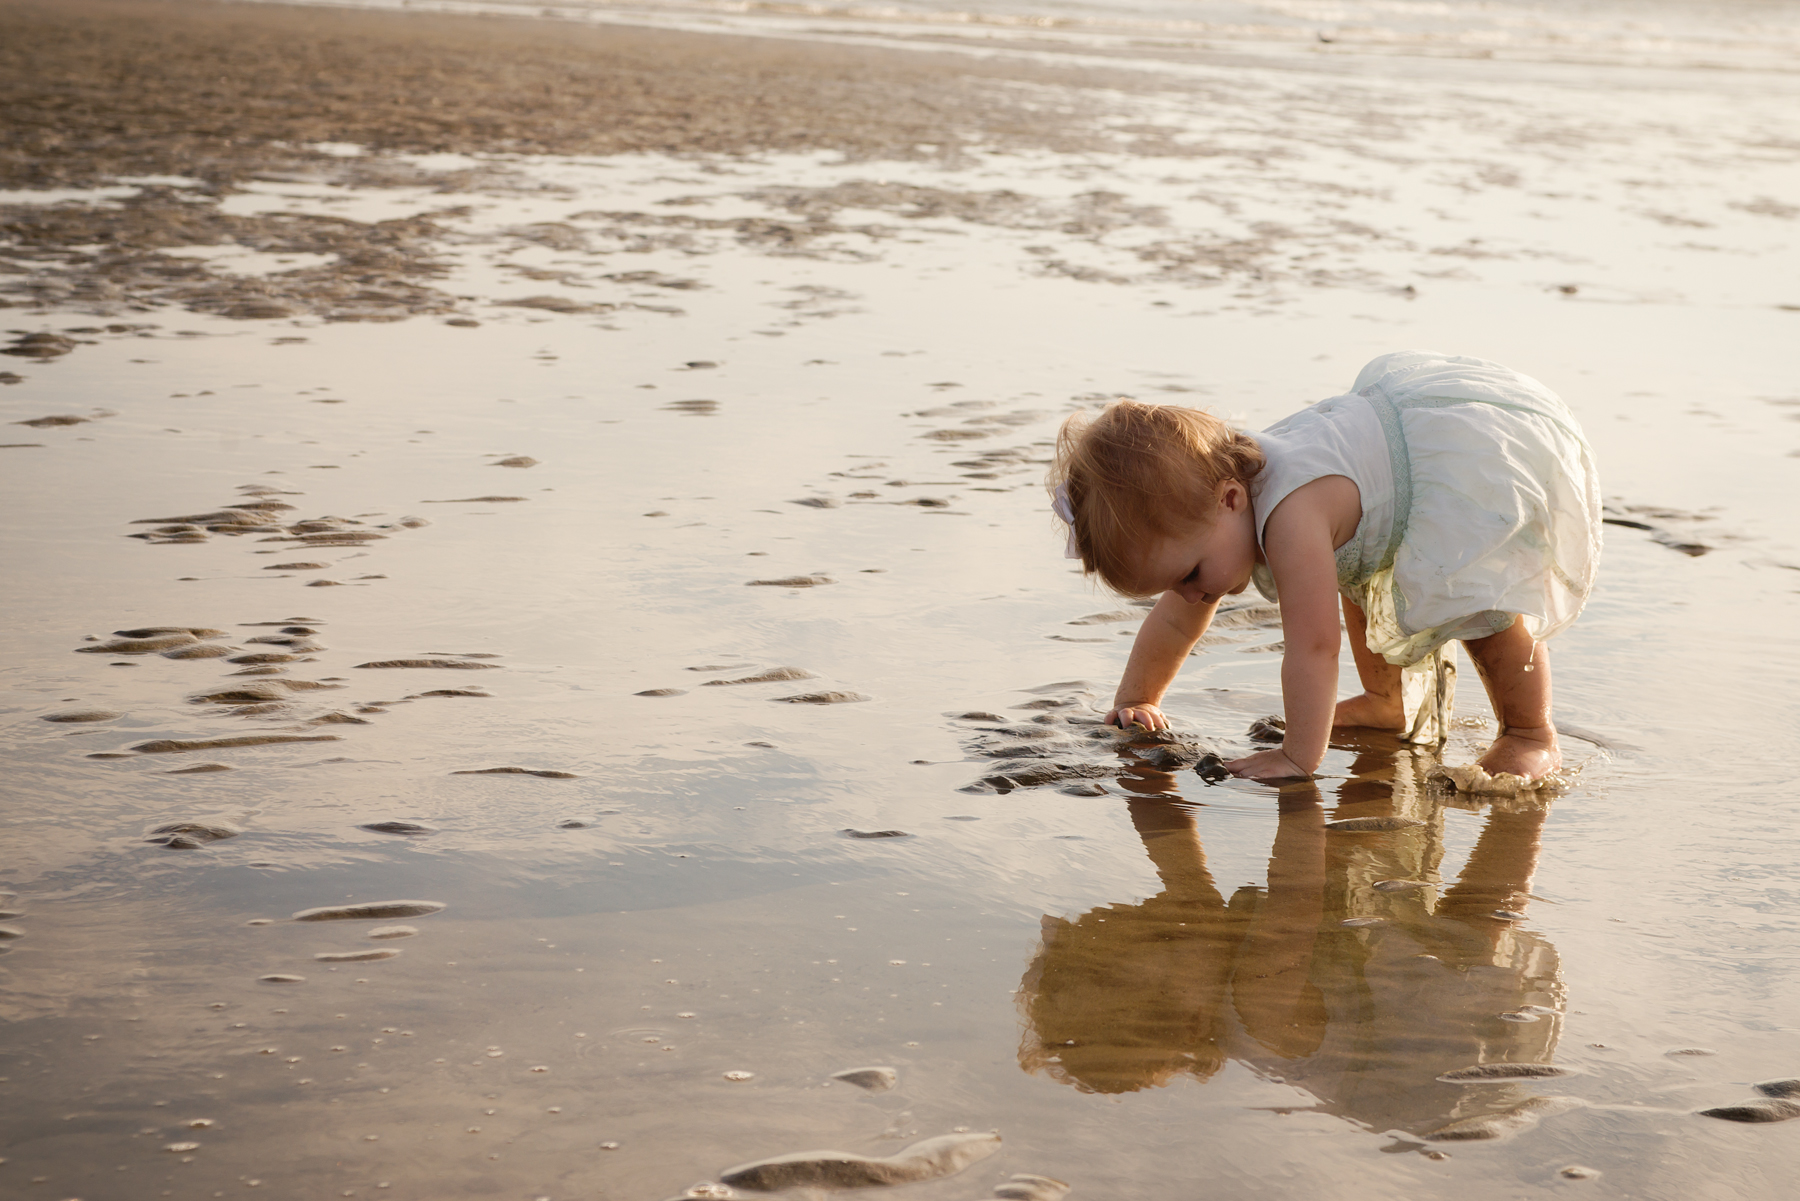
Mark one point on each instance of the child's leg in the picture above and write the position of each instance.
(1516, 670)
(1379, 706)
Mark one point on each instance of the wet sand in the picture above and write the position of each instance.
(94, 89)
(536, 643)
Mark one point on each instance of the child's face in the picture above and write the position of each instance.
(1211, 560)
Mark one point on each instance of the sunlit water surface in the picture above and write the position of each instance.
(1148, 992)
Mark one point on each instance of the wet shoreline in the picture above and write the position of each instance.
(102, 88)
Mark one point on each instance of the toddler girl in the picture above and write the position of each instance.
(1441, 498)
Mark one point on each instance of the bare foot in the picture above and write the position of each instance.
(1531, 753)
(1370, 712)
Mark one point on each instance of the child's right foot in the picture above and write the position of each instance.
(1370, 712)
(1532, 753)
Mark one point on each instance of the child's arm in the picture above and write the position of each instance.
(1298, 542)
(1169, 632)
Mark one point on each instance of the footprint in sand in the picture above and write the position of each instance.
(411, 829)
(441, 664)
(187, 836)
(1780, 1102)
(792, 581)
(368, 910)
(267, 690)
(82, 715)
(202, 651)
(1501, 1073)
(1770, 1110)
(517, 771)
(480, 500)
(931, 1159)
(1099, 619)
(1501, 1125)
(774, 675)
(1026, 1187)
(356, 956)
(153, 640)
(873, 1079)
(177, 746)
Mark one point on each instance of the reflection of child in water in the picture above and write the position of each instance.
(1128, 997)
(1443, 498)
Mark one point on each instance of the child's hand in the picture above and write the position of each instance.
(1147, 716)
(1267, 765)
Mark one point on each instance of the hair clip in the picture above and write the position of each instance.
(1063, 509)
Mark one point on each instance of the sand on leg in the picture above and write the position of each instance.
(1515, 668)
(1379, 705)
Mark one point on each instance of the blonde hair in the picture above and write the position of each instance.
(1137, 471)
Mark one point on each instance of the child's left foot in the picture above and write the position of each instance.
(1370, 712)
(1531, 753)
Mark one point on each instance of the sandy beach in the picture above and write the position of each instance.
(536, 641)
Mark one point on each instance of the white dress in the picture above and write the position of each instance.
(1481, 505)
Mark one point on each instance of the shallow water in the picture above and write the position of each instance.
(660, 939)
(1760, 34)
